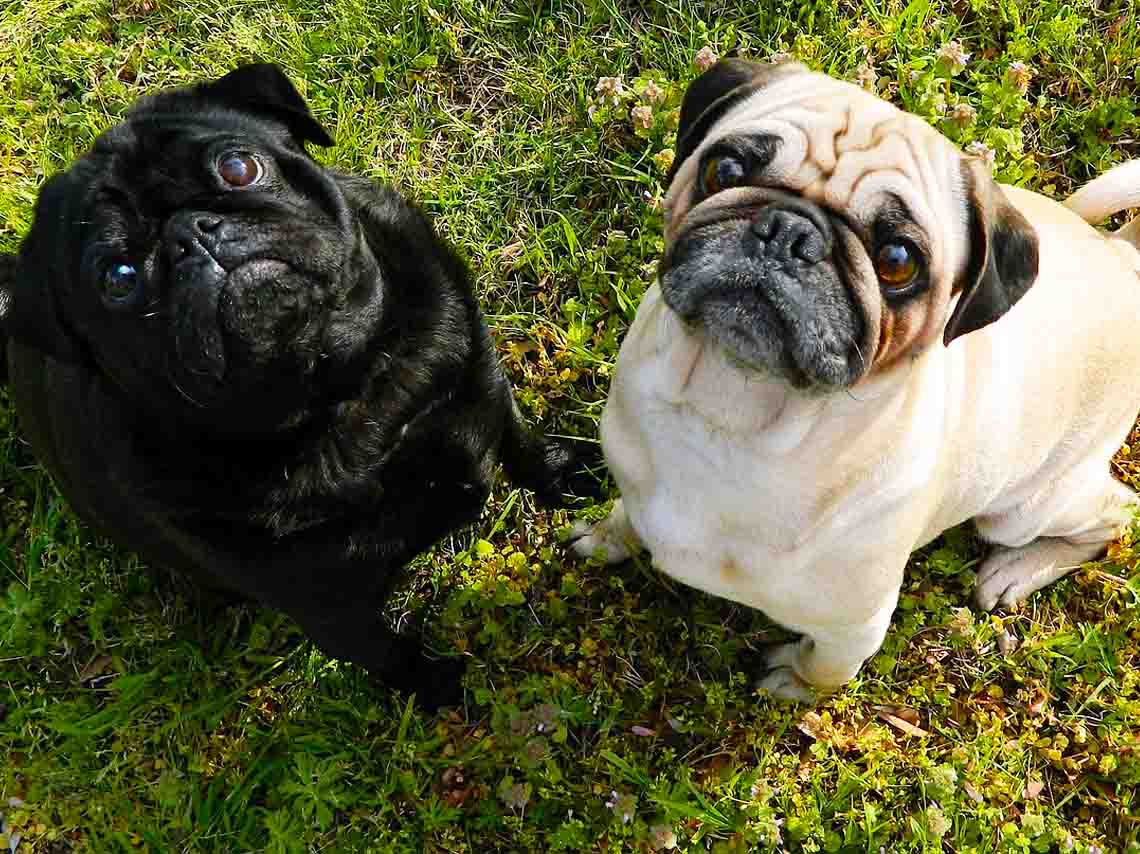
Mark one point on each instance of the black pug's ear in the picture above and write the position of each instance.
(29, 307)
(263, 88)
(1003, 255)
(711, 95)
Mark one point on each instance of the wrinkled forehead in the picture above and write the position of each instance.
(842, 148)
(159, 158)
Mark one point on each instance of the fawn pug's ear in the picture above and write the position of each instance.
(1003, 255)
(712, 94)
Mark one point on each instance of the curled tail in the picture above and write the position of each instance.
(1116, 190)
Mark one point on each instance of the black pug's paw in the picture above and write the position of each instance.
(573, 468)
(439, 684)
(553, 469)
(435, 682)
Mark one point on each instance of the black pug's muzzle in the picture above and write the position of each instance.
(762, 278)
(226, 305)
(252, 300)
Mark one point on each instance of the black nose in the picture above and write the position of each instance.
(785, 235)
(192, 233)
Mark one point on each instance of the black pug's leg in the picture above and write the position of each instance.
(552, 468)
(339, 604)
(360, 635)
(340, 610)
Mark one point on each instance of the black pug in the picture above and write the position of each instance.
(269, 374)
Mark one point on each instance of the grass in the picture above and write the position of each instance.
(606, 708)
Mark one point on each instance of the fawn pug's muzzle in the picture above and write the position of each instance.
(760, 271)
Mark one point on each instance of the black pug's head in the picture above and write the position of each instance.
(199, 257)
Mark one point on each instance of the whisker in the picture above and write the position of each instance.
(183, 392)
(862, 366)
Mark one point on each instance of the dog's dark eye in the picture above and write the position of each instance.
(896, 265)
(720, 173)
(120, 283)
(239, 169)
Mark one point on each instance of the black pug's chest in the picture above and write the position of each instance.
(362, 482)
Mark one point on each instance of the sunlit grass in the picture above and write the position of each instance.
(135, 714)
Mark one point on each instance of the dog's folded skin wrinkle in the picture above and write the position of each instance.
(298, 395)
(849, 351)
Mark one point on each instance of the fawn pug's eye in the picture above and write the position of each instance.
(897, 266)
(721, 173)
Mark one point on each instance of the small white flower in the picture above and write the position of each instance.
(1006, 642)
(623, 805)
(780, 56)
(936, 821)
(662, 837)
(611, 88)
(963, 115)
(652, 93)
(980, 149)
(642, 117)
(1019, 75)
(705, 59)
(865, 75)
(953, 55)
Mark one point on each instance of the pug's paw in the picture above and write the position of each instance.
(781, 680)
(784, 684)
(1010, 575)
(435, 682)
(572, 468)
(613, 538)
(598, 540)
(403, 664)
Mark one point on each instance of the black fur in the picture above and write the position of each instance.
(7, 281)
(262, 88)
(345, 409)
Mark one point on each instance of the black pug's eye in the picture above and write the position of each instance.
(720, 173)
(239, 169)
(897, 266)
(120, 284)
